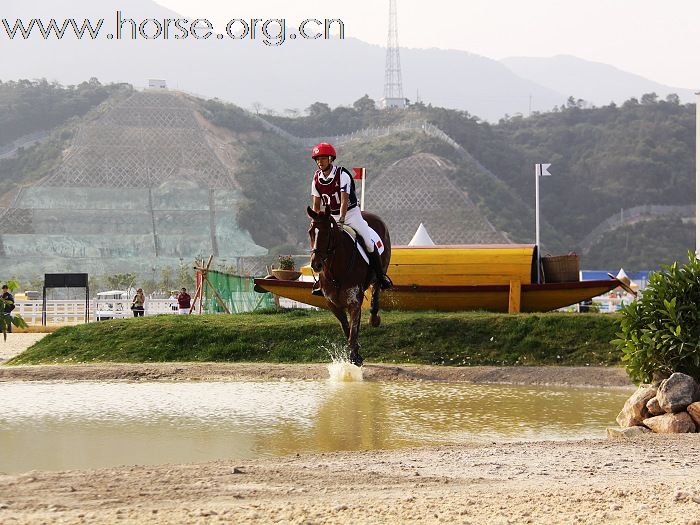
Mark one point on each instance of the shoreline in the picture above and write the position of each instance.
(516, 375)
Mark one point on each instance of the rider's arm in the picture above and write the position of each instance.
(316, 203)
(344, 199)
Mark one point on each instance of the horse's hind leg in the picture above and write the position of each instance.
(374, 318)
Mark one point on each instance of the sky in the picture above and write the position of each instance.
(657, 40)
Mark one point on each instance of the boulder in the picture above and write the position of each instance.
(628, 432)
(676, 392)
(635, 409)
(680, 423)
(654, 408)
(694, 413)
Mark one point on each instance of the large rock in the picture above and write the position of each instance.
(654, 408)
(635, 409)
(629, 432)
(680, 423)
(694, 412)
(676, 393)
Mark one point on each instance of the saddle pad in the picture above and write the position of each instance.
(374, 237)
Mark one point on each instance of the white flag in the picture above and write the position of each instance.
(542, 170)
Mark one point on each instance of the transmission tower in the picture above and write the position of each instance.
(393, 90)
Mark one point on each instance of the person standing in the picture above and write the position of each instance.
(9, 306)
(333, 186)
(137, 305)
(184, 302)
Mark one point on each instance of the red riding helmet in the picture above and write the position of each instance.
(323, 150)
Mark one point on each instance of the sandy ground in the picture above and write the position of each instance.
(654, 479)
(17, 343)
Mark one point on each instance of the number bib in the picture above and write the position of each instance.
(330, 191)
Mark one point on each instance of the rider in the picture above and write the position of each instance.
(333, 186)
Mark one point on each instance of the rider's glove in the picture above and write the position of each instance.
(341, 222)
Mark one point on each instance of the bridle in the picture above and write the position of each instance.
(327, 258)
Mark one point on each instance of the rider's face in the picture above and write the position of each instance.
(323, 163)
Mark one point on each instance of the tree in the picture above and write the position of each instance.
(318, 108)
(674, 99)
(364, 104)
(649, 98)
(121, 281)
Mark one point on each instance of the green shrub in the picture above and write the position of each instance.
(661, 330)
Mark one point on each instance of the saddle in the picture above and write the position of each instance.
(359, 241)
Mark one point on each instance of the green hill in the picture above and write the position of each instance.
(603, 160)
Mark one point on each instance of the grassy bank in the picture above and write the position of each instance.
(305, 336)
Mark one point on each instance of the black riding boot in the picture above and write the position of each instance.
(375, 263)
(316, 290)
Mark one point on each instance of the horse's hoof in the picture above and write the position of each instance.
(356, 359)
(375, 320)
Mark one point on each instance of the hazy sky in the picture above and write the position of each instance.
(658, 40)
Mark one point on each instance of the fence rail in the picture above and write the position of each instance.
(73, 311)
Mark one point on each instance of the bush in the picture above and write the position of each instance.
(661, 330)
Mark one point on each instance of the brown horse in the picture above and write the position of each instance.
(344, 274)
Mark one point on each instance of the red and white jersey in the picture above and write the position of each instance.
(329, 189)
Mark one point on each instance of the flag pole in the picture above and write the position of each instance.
(538, 168)
(362, 198)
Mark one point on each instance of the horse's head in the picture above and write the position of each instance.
(321, 234)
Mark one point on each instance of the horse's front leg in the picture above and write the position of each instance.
(355, 298)
(342, 317)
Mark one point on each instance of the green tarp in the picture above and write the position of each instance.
(236, 291)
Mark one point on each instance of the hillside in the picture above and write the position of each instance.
(603, 160)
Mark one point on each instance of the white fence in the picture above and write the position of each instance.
(73, 312)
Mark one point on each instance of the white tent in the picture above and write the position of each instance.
(421, 237)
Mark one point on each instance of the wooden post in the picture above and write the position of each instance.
(514, 297)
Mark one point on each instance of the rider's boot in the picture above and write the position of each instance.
(316, 290)
(376, 263)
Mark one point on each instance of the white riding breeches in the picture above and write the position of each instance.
(357, 222)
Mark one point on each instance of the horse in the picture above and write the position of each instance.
(344, 275)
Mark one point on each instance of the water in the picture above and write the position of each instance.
(52, 425)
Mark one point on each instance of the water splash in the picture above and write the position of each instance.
(340, 369)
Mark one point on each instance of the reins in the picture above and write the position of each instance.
(328, 259)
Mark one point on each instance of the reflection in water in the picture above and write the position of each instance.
(84, 425)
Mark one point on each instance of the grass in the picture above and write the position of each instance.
(301, 336)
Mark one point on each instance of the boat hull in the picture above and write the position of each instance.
(494, 298)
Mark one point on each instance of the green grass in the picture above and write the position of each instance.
(298, 336)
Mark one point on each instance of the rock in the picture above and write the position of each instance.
(654, 408)
(694, 412)
(679, 423)
(676, 393)
(628, 432)
(635, 409)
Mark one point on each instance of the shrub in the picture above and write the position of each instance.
(661, 330)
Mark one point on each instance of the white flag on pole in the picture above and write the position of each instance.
(542, 170)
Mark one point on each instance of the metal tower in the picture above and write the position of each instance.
(393, 90)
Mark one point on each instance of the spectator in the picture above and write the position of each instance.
(137, 305)
(9, 306)
(184, 302)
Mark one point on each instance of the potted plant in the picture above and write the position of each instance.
(286, 270)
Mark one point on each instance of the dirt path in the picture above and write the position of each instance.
(16, 344)
(655, 480)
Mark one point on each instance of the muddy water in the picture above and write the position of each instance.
(54, 425)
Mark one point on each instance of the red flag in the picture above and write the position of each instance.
(359, 173)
